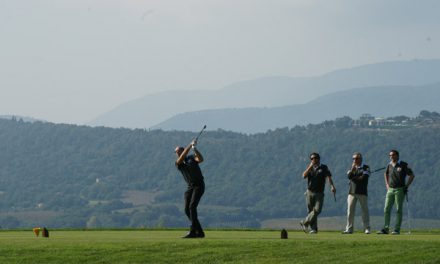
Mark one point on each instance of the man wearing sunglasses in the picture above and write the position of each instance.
(315, 175)
(395, 177)
(358, 176)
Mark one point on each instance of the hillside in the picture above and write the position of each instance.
(78, 176)
(274, 91)
(378, 101)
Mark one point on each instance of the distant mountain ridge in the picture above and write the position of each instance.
(379, 101)
(279, 91)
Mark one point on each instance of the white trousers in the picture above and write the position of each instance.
(351, 209)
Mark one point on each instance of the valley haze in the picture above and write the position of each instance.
(268, 96)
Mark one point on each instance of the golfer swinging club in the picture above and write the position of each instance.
(188, 165)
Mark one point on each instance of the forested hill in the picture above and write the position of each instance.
(78, 176)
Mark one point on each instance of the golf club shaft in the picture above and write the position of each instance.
(377, 170)
(201, 131)
(409, 216)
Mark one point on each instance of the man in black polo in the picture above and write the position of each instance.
(397, 187)
(358, 176)
(315, 175)
(188, 165)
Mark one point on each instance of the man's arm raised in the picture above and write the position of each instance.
(185, 152)
(198, 156)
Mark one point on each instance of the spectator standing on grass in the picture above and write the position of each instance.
(358, 176)
(316, 173)
(397, 187)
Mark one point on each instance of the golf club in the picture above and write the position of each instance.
(377, 170)
(201, 131)
(409, 215)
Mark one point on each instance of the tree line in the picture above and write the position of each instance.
(79, 174)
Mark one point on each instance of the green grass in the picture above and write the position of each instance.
(220, 246)
(339, 222)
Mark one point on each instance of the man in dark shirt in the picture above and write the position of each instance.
(315, 175)
(395, 177)
(188, 165)
(358, 176)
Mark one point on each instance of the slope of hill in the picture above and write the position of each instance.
(267, 92)
(378, 101)
(77, 176)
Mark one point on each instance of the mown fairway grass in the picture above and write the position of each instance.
(166, 246)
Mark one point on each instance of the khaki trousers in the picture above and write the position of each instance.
(351, 209)
(314, 206)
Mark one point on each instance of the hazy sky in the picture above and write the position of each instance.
(69, 61)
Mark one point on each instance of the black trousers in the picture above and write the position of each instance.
(192, 199)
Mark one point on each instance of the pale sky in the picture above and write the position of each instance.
(70, 61)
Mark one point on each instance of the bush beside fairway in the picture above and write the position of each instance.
(220, 246)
